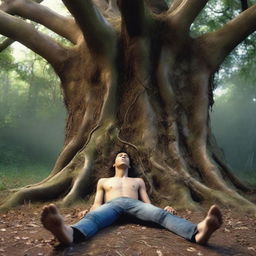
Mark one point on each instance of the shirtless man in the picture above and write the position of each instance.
(120, 195)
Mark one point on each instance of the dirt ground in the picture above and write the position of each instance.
(22, 234)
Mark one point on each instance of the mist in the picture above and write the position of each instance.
(32, 114)
(233, 122)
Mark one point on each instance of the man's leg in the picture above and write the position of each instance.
(98, 219)
(199, 233)
(102, 217)
(175, 224)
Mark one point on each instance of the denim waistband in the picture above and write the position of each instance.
(120, 197)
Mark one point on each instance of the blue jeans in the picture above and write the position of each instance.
(109, 212)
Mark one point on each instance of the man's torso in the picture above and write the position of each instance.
(121, 187)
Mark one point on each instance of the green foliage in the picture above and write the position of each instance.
(234, 122)
(13, 177)
(31, 116)
(214, 16)
(6, 61)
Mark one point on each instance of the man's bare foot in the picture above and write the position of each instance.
(212, 221)
(53, 221)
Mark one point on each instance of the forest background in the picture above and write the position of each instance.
(32, 114)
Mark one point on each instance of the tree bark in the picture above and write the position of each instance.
(136, 82)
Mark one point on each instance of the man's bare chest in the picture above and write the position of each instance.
(121, 186)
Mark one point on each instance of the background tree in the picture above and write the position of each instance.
(235, 113)
(30, 100)
(134, 77)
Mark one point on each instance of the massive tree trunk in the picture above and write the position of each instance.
(135, 80)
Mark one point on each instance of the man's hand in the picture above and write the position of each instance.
(82, 214)
(170, 210)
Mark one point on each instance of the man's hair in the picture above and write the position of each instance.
(132, 172)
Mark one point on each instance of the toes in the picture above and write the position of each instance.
(212, 210)
(215, 211)
(53, 209)
(45, 211)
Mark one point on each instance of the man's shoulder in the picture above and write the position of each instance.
(103, 180)
(139, 180)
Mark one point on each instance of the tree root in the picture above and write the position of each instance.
(234, 180)
(50, 190)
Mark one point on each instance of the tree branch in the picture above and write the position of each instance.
(134, 17)
(218, 44)
(98, 33)
(26, 34)
(183, 13)
(7, 5)
(41, 14)
(174, 5)
(6, 43)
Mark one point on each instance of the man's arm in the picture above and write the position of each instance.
(143, 192)
(145, 198)
(99, 197)
(98, 201)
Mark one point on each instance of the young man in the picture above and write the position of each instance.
(120, 195)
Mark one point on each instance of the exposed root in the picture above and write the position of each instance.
(89, 154)
(82, 181)
(197, 192)
(75, 145)
(50, 190)
(226, 198)
(234, 180)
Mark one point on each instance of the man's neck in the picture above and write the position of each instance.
(121, 172)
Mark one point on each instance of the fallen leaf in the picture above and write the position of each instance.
(242, 228)
(47, 241)
(33, 225)
(159, 253)
(33, 231)
(191, 249)
(2, 229)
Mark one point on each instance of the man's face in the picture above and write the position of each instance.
(122, 159)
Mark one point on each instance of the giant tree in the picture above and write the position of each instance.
(133, 77)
